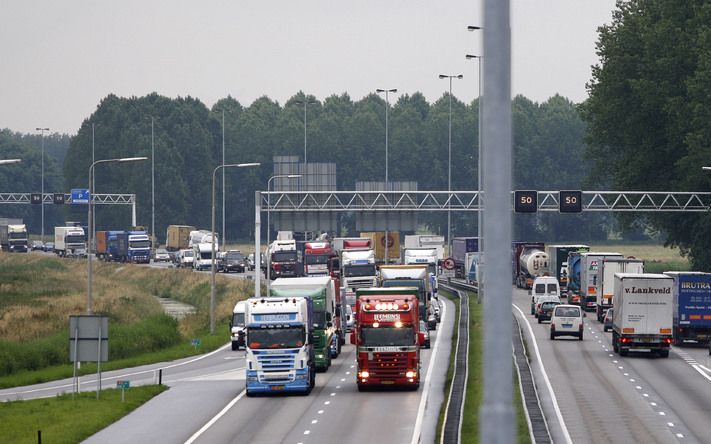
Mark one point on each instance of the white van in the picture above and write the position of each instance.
(544, 287)
(238, 326)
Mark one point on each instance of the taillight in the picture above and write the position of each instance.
(667, 341)
(276, 266)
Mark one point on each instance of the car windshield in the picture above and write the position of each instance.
(74, 239)
(319, 319)
(284, 256)
(161, 251)
(289, 337)
(17, 235)
(206, 255)
(387, 336)
(238, 319)
(359, 270)
(570, 312)
(234, 256)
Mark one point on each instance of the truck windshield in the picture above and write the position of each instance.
(289, 337)
(316, 259)
(387, 336)
(284, 256)
(205, 255)
(234, 256)
(238, 319)
(74, 239)
(17, 235)
(140, 244)
(359, 270)
(319, 319)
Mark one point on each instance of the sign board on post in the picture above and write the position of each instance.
(36, 198)
(58, 198)
(80, 196)
(84, 342)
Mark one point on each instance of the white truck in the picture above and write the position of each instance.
(426, 241)
(69, 241)
(238, 326)
(421, 256)
(202, 256)
(589, 284)
(643, 316)
(606, 279)
(280, 354)
(13, 237)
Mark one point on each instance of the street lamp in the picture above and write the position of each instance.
(480, 167)
(42, 130)
(9, 161)
(449, 163)
(153, 187)
(269, 258)
(387, 106)
(89, 309)
(212, 261)
(305, 102)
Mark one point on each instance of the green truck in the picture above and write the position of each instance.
(322, 291)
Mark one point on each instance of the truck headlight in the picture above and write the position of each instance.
(301, 376)
(319, 356)
(410, 374)
(251, 378)
(364, 374)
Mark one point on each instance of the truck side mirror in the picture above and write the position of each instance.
(338, 311)
(329, 324)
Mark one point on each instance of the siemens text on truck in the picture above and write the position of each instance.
(279, 355)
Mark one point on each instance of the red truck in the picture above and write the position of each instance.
(313, 257)
(387, 337)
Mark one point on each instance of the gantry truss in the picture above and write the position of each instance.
(48, 198)
(344, 201)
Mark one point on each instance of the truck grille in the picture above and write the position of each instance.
(276, 368)
(360, 283)
(388, 365)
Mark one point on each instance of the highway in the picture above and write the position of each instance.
(206, 402)
(604, 398)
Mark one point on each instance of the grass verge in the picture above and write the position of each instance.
(66, 420)
(450, 369)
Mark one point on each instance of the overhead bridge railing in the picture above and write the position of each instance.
(533, 200)
(66, 198)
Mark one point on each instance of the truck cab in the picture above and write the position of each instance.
(238, 325)
(13, 238)
(282, 259)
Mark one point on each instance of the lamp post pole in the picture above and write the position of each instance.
(305, 102)
(387, 106)
(153, 186)
(212, 260)
(268, 256)
(42, 130)
(89, 308)
(480, 173)
(449, 162)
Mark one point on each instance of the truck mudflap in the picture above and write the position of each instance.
(297, 380)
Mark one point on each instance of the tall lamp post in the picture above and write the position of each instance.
(480, 167)
(42, 130)
(387, 106)
(449, 162)
(89, 309)
(153, 186)
(305, 102)
(212, 261)
(269, 259)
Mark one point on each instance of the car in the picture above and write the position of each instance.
(185, 258)
(350, 319)
(431, 322)
(161, 255)
(607, 322)
(423, 328)
(543, 286)
(543, 299)
(567, 320)
(37, 245)
(233, 260)
(436, 310)
(49, 246)
(545, 309)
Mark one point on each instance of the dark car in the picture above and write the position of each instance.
(607, 323)
(423, 328)
(545, 310)
(37, 245)
(233, 260)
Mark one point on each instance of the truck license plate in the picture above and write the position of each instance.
(277, 387)
(387, 382)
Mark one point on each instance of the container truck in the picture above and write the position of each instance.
(387, 337)
(606, 280)
(312, 257)
(357, 262)
(574, 262)
(692, 306)
(13, 237)
(529, 262)
(409, 276)
(460, 247)
(279, 355)
(282, 259)
(69, 241)
(558, 262)
(590, 285)
(326, 322)
(178, 237)
(238, 324)
(391, 248)
(643, 312)
(426, 241)
(474, 267)
(421, 256)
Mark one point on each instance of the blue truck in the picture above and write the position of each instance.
(692, 306)
(123, 246)
(460, 247)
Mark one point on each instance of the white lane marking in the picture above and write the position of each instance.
(306, 432)
(125, 375)
(337, 387)
(327, 403)
(333, 394)
(670, 424)
(638, 387)
(679, 435)
(620, 367)
(611, 355)
(215, 418)
(423, 400)
(352, 366)
(662, 414)
(646, 395)
(348, 373)
(653, 404)
(314, 421)
(227, 358)
(554, 400)
(342, 379)
(626, 374)
(614, 361)
(320, 412)
(701, 372)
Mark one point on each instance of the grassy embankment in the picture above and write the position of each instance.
(657, 258)
(475, 379)
(38, 293)
(66, 420)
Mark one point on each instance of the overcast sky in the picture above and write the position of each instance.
(58, 59)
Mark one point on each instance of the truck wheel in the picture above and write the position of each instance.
(235, 346)
(623, 351)
(615, 346)
(552, 336)
(539, 319)
(580, 336)
(362, 388)
(250, 394)
(664, 353)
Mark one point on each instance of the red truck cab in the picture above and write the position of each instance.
(387, 337)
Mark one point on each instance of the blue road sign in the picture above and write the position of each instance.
(80, 196)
